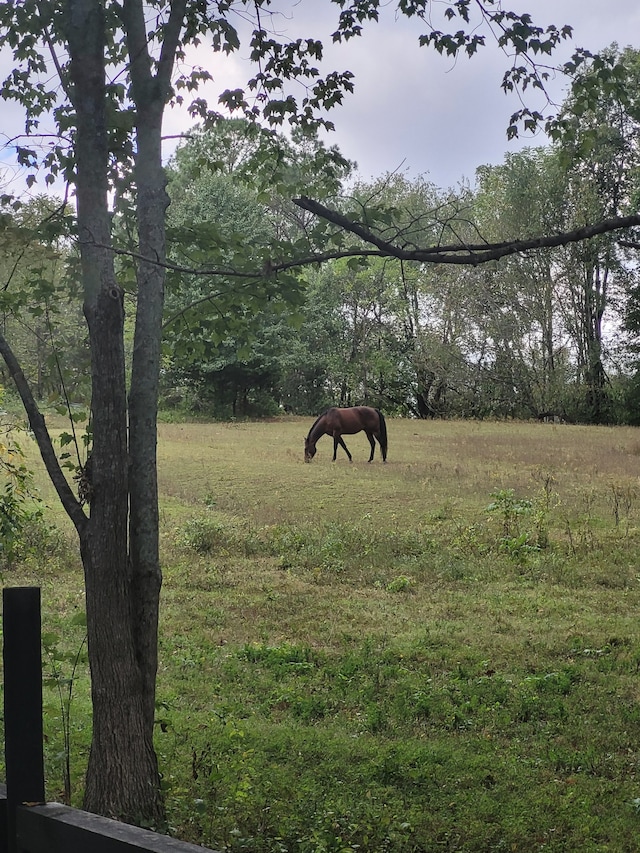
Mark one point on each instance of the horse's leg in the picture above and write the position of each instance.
(383, 451)
(373, 446)
(337, 440)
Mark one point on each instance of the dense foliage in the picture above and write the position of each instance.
(536, 335)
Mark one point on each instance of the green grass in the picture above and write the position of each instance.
(439, 653)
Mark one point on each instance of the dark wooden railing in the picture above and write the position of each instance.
(27, 823)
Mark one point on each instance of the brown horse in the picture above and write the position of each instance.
(339, 422)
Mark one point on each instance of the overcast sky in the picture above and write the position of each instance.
(443, 118)
(412, 109)
(426, 114)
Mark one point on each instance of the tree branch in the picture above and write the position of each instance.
(170, 43)
(69, 501)
(473, 254)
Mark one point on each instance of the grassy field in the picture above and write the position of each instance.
(439, 653)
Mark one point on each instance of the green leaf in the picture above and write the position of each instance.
(49, 640)
(79, 619)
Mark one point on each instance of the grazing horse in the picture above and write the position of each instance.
(339, 422)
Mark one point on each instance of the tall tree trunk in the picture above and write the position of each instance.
(596, 402)
(150, 93)
(152, 202)
(122, 776)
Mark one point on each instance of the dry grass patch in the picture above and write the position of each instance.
(257, 469)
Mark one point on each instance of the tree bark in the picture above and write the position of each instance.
(122, 776)
(150, 94)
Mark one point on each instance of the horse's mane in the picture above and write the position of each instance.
(315, 423)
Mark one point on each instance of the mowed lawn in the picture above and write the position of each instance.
(437, 653)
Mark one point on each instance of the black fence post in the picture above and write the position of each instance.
(22, 657)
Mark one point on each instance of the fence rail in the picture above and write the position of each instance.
(27, 823)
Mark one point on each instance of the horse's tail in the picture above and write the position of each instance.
(383, 435)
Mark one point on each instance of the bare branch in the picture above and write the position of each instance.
(473, 254)
(64, 81)
(69, 501)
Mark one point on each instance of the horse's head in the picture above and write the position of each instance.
(309, 450)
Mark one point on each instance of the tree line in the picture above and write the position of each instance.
(545, 333)
(539, 334)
